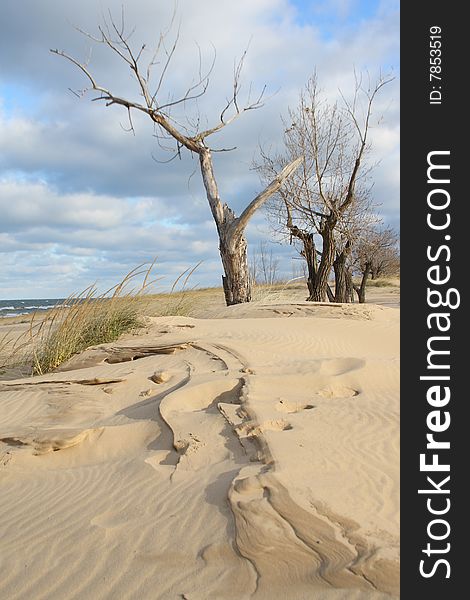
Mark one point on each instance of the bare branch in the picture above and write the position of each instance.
(239, 224)
(362, 133)
(169, 56)
(224, 149)
(131, 125)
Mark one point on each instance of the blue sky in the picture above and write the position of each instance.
(83, 201)
(329, 16)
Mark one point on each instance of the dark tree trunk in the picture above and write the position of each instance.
(329, 293)
(339, 267)
(350, 285)
(361, 290)
(319, 293)
(310, 254)
(342, 291)
(309, 251)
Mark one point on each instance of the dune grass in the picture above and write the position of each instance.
(87, 319)
(90, 318)
(279, 291)
(6, 342)
(175, 302)
(13, 350)
(384, 282)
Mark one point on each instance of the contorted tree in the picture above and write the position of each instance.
(376, 250)
(332, 141)
(354, 226)
(230, 229)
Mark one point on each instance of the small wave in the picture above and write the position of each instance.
(15, 308)
(38, 307)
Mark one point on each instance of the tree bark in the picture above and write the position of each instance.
(309, 252)
(342, 289)
(339, 267)
(236, 279)
(350, 285)
(361, 290)
(319, 293)
(329, 293)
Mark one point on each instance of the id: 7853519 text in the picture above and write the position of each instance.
(435, 64)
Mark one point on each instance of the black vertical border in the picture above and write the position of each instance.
(426, 128)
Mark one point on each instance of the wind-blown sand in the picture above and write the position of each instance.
(255, 456)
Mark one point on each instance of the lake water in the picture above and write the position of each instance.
(14, 308)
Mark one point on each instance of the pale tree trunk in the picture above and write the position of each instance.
(236, 280)
(232, 243)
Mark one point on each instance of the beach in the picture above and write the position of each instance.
(253, 453)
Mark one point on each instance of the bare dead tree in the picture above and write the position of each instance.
(332, 139)
(371, 252)
(230, 228)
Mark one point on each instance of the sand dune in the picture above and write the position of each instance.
(254, 456)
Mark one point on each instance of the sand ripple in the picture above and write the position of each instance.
(237, 458)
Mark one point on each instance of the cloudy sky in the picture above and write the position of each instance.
(82, 200)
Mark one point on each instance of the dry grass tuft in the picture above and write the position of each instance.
(279, 291)
(88, 319)
(181, 302)
(13, 352)
(384, 282)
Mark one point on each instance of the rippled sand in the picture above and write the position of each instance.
(254, 456)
